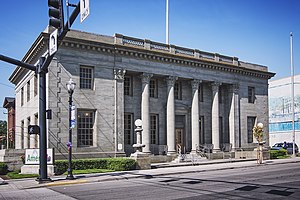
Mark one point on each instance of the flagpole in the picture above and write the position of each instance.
(292, 91)
(167, 21)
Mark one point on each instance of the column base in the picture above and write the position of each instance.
(171, 153)
(216, 150)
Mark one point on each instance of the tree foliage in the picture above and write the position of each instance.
(3, 131)
(3, 127)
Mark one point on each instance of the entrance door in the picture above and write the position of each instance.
(179, 140)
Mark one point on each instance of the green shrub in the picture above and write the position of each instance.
(274, 154)
(116, 164)
(3, 168)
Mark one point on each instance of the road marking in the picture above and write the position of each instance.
(66, 182)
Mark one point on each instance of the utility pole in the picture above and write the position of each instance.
(293, 93)
(167, 21)
(56, 20)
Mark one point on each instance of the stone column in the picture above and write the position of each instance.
(26, 134)
(119, 110)
(171, 116)
(234, 117)
(32, 141)
(215, 117)
(145, 112)
(195, 115)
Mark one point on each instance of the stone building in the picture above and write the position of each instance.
(9, 104)
(185, 97)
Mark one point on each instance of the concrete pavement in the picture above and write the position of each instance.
(160, 170)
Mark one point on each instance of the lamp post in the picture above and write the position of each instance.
(71, 87)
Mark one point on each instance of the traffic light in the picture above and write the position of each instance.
(56, 13)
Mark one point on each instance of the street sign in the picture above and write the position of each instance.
(33, 129)
(53, 43)
(84, 9)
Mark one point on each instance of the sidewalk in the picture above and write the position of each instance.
(161, 170)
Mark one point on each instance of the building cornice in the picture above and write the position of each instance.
(146, 49)
(36, 50)
(142, 49)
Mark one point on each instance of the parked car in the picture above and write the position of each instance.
(285, 145)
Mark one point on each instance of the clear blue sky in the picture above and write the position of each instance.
(255, 31)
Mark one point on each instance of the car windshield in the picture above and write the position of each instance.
(278, 145)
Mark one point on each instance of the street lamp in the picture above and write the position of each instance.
(71, 87)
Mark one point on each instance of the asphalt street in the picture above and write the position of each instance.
(223, 179)
(258, 182)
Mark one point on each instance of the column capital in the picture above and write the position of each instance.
(146, 77)
(171, 80)
(119, 74)
(235, 88)
(195, 84)
(215, 85)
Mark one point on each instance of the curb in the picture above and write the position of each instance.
(2, 182)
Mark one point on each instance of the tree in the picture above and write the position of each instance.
(3, 132)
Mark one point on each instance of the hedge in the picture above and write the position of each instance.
(116, 164)
(274, 154)
(3, 168)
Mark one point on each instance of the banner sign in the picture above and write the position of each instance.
(73, 116)
(32, 156)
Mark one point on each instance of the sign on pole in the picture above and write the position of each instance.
(33, 129)
(73, 117)
(84, 9)
(53, 42)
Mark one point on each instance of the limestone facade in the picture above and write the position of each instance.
(185, 97)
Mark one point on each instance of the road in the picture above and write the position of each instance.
(259, 182)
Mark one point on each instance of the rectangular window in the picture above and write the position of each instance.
(178, 90)
(28, 91)
(221, 131)
(85, 128)
(22, 96)
(250, 125)
(35, 90)
(153, 128)
(22, 134)
(153, 88)
(200, 92)
(86, 77)
(128, 128)
(251, 94)
(201, 131)
(128, 85)
(220, 95)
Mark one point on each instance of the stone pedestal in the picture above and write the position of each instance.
(34, 169)
(265, 153)
(143, 160)
(12, 157)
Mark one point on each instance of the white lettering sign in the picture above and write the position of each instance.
(53, 43)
